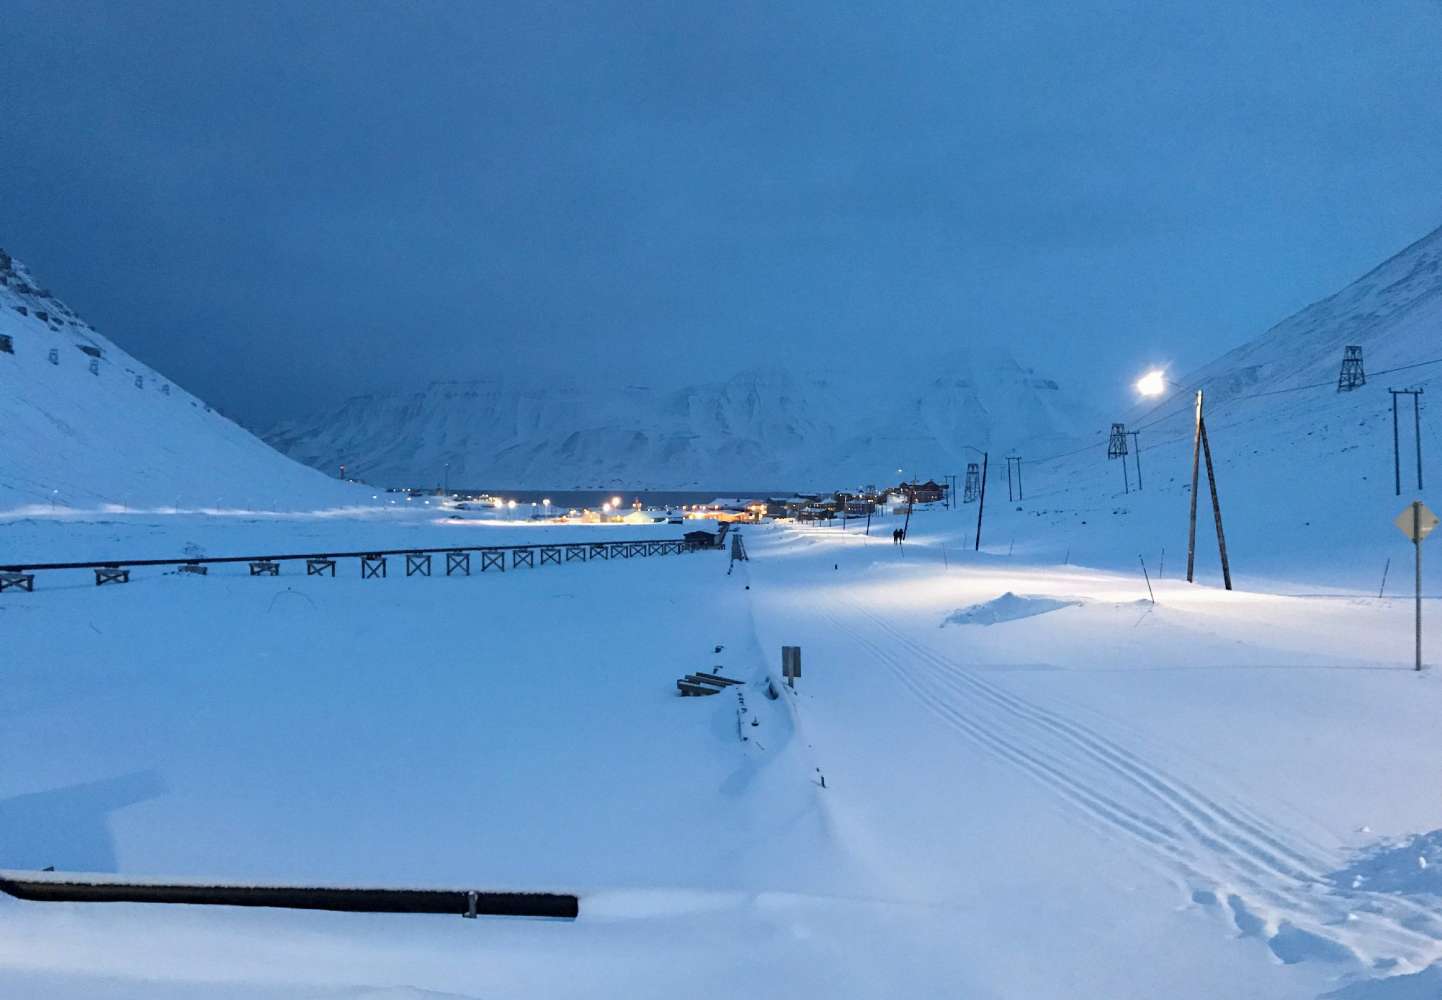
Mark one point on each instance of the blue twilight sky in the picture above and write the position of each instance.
(282, 204)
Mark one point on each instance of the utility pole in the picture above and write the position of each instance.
(1019, 494)
(1117, 448)
(973, 474)
(1201, 447)
(981, 504)
(1416, 395)
(1137, 451)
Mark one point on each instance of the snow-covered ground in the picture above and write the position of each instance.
(1036, 781)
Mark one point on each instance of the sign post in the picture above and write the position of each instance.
(1417, 522)
(791, 664)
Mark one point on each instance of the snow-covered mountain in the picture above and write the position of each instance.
(760, 428)
(1393, 312)
(85, 424)
(1305, 473)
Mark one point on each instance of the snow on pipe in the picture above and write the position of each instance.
(47, 887)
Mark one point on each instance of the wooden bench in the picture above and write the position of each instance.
(17, 581)
(111, 574)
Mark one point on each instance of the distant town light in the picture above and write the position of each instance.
(1153, 383)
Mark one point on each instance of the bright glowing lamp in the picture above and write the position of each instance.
(1153, 383)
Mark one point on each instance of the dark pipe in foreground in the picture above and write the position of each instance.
(44, 887)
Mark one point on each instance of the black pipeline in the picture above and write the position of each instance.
(46, 887)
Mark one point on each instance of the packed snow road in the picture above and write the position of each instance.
(993, 779)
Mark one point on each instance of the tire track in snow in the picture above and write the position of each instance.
(1203, 818)
(1313, 879)
(1240, 859)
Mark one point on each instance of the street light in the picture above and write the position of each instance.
(1154, 383)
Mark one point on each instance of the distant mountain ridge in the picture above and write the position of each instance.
(765, 426)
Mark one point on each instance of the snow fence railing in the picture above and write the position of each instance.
(57, 887)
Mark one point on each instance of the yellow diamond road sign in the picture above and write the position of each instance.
(1425, 521)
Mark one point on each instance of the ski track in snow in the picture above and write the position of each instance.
(1222, 852)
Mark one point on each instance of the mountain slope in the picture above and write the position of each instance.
(1305, 473)
(86, 424)
(760, 428)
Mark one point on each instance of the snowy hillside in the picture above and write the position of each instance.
(1305, 472)
(85, 424)
(1394, 312)
(761, 428)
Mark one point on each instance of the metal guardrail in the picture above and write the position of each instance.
(49, 887)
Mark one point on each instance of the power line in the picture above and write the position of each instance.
(1232, 399)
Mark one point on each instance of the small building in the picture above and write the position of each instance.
(705, 539)
(928, 492)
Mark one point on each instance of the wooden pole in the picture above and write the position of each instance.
(981, 502)
(1417, 431)
(1196, 467)
(1216, 509)
(1396, 461)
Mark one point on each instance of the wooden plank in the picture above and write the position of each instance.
(714, 679)
(687, 688)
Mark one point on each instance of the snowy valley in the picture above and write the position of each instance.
(1029, 770)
